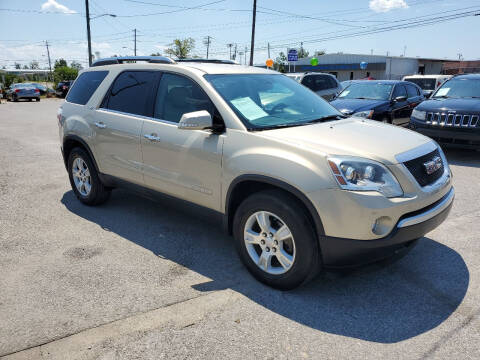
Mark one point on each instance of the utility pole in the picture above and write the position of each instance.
(268, 47)
(230, 49)
(87, 14)
(207, 43)
(246, 55)
(404, 50)
(252, 45)
(49, 61)
(235, 53)
(135, 42)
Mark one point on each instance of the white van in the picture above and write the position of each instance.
(428, 83)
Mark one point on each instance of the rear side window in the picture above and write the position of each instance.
(131, 93)
(411, 91)
(85, 86)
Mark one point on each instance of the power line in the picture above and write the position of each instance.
(173, 11)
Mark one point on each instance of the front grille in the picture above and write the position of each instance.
(417, 169)
(450, 119)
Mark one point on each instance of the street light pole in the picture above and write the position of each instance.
(253, 31)
(87, 13)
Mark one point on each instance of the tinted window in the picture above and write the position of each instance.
(130, 93)
(424, 83)
(399, 91)
(85, 86)
(411, 91)
(178, 95)
(319, 82)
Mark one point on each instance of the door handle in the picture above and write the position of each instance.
(100, 125)
(151, 137)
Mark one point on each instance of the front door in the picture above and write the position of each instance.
(182, 163)
(400, 109)
(118, 124)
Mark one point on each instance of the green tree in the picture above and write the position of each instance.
(156, 54)
(64, 73)
(25, 67)
(302, 53)
(76, 65)
(18, 66)
(319, 53)
(60, 63)
(181, 48)
(279, 63)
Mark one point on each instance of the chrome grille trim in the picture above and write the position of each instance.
(451, 119)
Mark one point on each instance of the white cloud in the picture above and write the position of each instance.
(52, 5)
(387, 5)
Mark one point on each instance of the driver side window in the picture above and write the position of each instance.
(178, 95)
(399, 91)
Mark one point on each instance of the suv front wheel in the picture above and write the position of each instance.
(84, 179)
(276, 240)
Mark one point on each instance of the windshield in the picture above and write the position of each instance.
(424, 83)
(367, 90)
(459, 88)
(268, 101)
(23, 86)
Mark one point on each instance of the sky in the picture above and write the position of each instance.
(425, 28)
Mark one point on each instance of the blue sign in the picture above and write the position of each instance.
(292, 55)
(363, 65)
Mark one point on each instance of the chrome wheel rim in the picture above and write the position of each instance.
(269, 242)
(81, 176)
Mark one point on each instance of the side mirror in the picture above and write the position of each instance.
(197, 120)
(400, 99)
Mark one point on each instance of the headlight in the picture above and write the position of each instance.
(420, 115)
(360, 174)
(364, 114)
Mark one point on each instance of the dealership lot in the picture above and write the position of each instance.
(137, 278)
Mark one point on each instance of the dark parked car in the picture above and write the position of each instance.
(390, 101)
(42, 88)
(62, 88)
(22, 91)
(452, 114)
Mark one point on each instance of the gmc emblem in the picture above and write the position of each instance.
(433, 165)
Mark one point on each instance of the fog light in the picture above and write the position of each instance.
(382, 225)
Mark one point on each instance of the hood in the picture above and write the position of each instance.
(350, 106)
(353, 137)
(459, 105)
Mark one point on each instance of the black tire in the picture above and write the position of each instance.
(386, 120)
(98, 193)
(307, 261)
(29, 99)
(15, 99)
(37, 99)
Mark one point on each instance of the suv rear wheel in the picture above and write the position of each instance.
(84, 179)
(275, 239)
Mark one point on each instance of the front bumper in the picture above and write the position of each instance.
(341, 252)
(462, 137)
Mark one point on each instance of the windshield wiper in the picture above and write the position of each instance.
(441, 97)
(365, 98)
(279, 126)
(326, 118)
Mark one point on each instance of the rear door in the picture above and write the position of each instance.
(118, 124)
(182, 163)
(400, 109)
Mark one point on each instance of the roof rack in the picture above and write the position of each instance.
(122, 59)
(212, 61)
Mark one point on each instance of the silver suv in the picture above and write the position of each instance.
(325, 85)
(300, 187)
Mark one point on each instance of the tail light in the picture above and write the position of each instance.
(17, 90)
(37, 91)
(64, 87)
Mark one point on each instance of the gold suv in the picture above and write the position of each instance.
(300, 186)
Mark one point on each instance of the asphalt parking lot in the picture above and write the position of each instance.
(141, 279)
